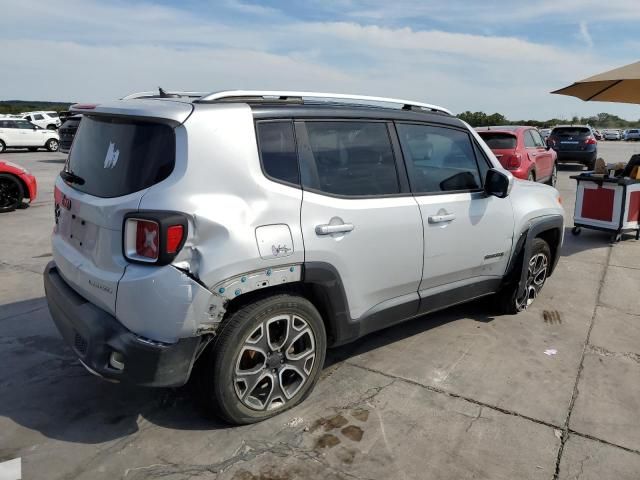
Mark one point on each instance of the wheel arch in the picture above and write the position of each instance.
(322, 286)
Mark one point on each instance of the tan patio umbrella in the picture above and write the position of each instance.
(617, 85)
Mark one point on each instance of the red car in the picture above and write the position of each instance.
(16, 184)
(523, 152)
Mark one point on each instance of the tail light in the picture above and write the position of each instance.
(153, 237)
(514, 161)
(590, 140)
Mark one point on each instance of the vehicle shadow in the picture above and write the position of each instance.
(48, 391)
(53, 160)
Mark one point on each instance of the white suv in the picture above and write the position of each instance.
(48, 120)
(245, 232)
(18, 133)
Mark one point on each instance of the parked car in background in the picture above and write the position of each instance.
(16, 185)
(48, 120)
(323, 222)
(523, 152)
(68, 131)
(19, 133)
(632, 134)
(611, 134)
(545, 132)
(574, 144)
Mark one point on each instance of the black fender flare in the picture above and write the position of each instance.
(323, 282)
(524, 244)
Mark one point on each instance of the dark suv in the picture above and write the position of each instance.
(67, 131)
(574, 144)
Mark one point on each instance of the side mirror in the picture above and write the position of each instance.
(498, 183)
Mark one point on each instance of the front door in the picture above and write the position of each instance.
(357, 215)
(544, 158)
(467, 234)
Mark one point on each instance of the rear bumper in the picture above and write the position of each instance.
(580, 156)
(94, 335)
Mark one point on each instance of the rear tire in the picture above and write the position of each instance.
(539, 263)
(553, 180)
(266, 359)
(51, 127)
(52, 145)
(3, 147)
(11, 192)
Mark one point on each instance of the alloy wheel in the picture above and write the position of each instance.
(52, 145)
(9, 193)
(536, 276)
(274, 362)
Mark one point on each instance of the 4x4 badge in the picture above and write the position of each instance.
(111, 158)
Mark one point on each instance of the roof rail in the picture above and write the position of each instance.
(156, 94)
(276, 95)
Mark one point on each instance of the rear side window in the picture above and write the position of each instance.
(351, 159)
(277, 145)
(529, 142)
(439, 159)
(571, 131)
(116, 157)
(38, 117)
(499, 141)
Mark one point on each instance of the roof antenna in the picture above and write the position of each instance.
(163, 94)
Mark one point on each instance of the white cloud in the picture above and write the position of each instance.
(585, 35)
(97, 51)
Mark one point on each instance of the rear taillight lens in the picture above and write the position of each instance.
(590, 140)
(153, 237)
(514, 161)
(147, 241)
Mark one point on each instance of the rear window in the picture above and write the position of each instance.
(116, 157)
(571, 131)
(53, 115)
(499, 141)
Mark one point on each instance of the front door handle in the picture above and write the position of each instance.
(442, 218)
(329, 229)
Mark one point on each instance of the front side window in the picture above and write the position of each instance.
(351, 159)
(439, 159)
(277, 146)
(24, 125)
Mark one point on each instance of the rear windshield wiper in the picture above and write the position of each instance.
(71, 177)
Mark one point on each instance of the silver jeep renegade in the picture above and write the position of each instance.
(237, 235)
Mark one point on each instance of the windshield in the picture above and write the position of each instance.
(499, 141)
(116, 157)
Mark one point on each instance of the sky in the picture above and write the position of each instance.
(493, 55)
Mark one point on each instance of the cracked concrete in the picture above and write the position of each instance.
(458, 394)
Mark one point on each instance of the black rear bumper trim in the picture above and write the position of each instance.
(94, 335)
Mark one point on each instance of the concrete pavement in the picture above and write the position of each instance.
(457, 394)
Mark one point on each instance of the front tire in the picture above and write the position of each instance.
(52, 145)
(3, 146)
(266, 359)
(537, 265)
(532, 176)
(11, 193)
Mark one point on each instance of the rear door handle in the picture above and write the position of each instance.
(329, 229)
(442, 218)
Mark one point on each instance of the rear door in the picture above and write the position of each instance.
(357, 212)
(467, 234)
(117, 160)
(9, 133)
